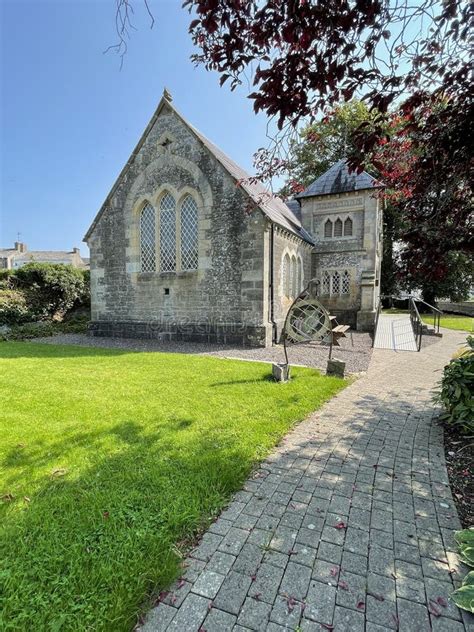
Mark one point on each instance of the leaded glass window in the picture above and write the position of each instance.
(338, 227)
(328, 228)
(345, 282)
(286, 275)
(189, 234)
(298, 282)
(336, 283)
(167, 234)
(293, 276)
(348, 227)
(326, 285)
(147, 239)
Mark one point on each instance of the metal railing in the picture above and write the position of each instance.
(416, 322)
(415, 318)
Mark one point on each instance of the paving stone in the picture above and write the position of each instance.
(192, 569)
(381, 585)
(158, 619)
(286, 613)
(234, 541)
(221, 562)
(254, 614)
(302, 554)
(308, 537)
(260, 537)
(330, 552)
(276, 558)
(275, 627)
(354, 563)
(326, 572)
(333, 535)
(283, 539)
(220, 526)
(208, 584)
(245, 521)
(381, 561)
(346, 620)
(381, 538)
(436, 589)
(351, 590)
(340, 505)
(207, 547)
(248, 559)
(411, 589)
(320, 603)
(446, 625)
(232, 593)
(357, 541)
(413, 616)
(177, 593)
(267, 582)
(383, 613)
(435, 569)
(295, 581)
(405, 569)
(190, 615)
(219, 621)
(292, 521)
(407, 553)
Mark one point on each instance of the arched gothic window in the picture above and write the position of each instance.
(167, 233)
(336, 283)
(286, 275)
(338, 228)
(293, 276)
(346, 282)
(326, 284)
(189, 234)
(299, 279)
(328, 228)
(348, 227)
(147, 239)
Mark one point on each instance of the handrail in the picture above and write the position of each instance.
(379, 309)
(416, 322)
(437, 313)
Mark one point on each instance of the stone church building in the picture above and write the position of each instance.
(186, 247)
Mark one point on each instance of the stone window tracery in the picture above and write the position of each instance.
(335, 229)
(335, 283)
(167, 233)
(189, 234)
(147, 239)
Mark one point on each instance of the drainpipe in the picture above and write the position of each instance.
(272, 288)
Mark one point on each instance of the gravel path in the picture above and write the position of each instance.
(355, 350)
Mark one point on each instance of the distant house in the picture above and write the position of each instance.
(19, 255)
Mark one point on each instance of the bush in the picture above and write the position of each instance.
(54, 288)
(14, 307)
(463, 597)
(44, 329)
(5, 278)
(457, 390)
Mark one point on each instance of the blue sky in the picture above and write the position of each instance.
(70, 117)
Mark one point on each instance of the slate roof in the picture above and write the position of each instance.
(338, 179)
(272, 206)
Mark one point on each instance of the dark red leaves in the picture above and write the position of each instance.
(340, 525)
(360, 605)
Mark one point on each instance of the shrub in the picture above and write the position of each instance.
(44, 329)
(54, 288)
(13, 307)
(463, 597)
(5, 278)
(457, 390)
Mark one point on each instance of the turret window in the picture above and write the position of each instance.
(338, 228)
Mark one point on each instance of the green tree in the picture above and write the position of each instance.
(322, 144)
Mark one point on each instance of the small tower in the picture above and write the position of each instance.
(342, 210)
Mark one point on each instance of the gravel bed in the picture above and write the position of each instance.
(355, 350)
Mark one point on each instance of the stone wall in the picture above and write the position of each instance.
(223, 299)
(358, 253)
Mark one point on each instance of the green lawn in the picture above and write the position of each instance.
(450, 321)
(111, 462)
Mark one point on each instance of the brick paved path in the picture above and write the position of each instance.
(348, 524)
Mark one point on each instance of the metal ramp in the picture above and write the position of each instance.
(395, 332)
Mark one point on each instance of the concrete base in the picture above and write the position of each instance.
(281, 372)
(366, 320)
(336, 367)
(225, 333)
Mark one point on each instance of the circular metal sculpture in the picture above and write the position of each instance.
(307, 321)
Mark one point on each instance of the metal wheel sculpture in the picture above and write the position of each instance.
(307, 321)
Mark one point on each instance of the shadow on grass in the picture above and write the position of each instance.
(90, 550)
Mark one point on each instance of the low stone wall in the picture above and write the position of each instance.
(225, 334)
(466, 307)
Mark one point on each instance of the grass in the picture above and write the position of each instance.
(112, 462)
(449, 321)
